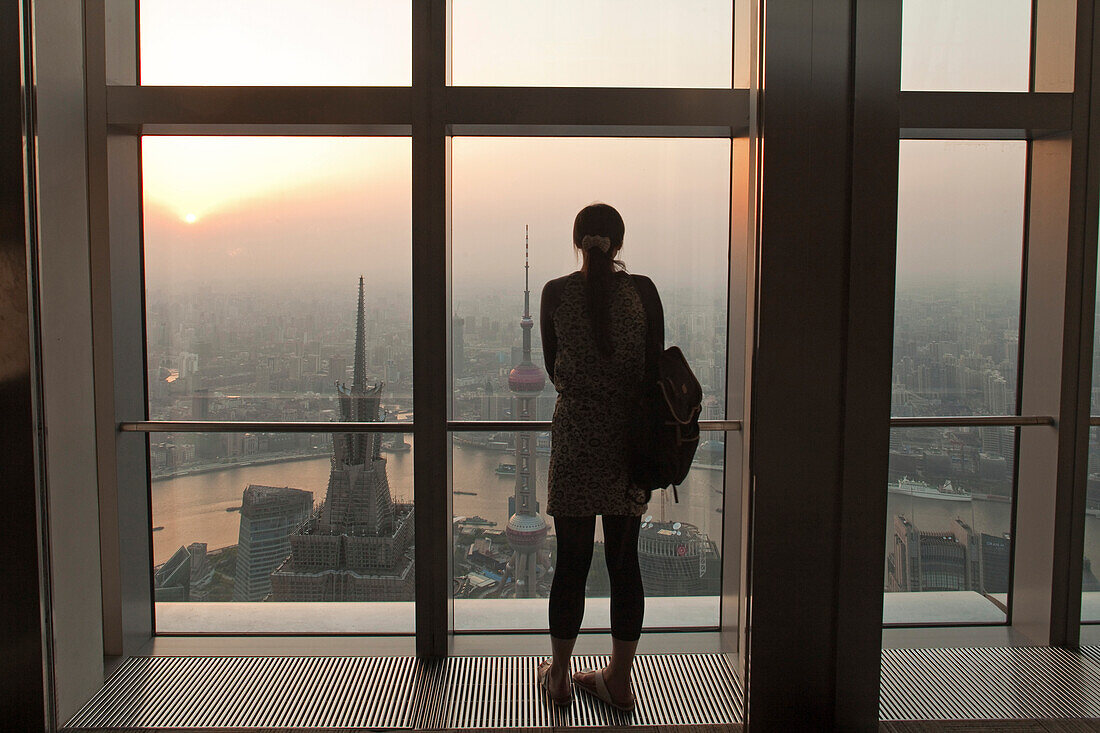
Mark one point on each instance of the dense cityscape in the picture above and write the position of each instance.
(222, 355)
(250, 356)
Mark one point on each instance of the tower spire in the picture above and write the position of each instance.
(526, 322)
(359, 377)
(526, 529)
(526, 273)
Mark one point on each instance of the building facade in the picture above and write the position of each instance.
(269, 515)
(358, 545)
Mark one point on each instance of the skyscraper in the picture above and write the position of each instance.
(269, 514)
(526, 528)
(358, 545)
(927, 561)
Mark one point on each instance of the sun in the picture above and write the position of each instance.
(190, 218)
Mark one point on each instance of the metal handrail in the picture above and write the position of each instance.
(938, 421)
(489, 426)
(478, 426)
(454, 426)
(251, 426)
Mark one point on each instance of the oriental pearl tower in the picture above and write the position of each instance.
(526, 528)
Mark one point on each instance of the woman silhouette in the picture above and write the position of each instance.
(602, 331)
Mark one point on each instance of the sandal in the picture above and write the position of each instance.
(599, 689)
(544, 683)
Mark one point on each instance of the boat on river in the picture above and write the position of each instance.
(920, 489)
(475, 521)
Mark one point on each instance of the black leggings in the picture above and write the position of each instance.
(575, 536)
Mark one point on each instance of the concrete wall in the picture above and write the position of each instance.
(72, 491)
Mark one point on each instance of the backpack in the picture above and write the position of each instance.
(667, 429)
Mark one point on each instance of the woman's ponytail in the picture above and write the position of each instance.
(598, 233)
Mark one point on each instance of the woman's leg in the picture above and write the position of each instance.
(574, 557)
(627, 600)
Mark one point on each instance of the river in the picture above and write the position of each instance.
(193, 508)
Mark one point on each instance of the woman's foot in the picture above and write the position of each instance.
(618, 686)
(556, 682)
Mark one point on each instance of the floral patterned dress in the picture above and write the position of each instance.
(589, 456)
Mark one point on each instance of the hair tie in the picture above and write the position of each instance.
(590, 241)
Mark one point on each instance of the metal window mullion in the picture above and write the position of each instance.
(430, 331)
(873, 125)
(983, 115)
(1077, 363)
(224, 108)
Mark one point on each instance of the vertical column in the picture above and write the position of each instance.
(872, 266)
(1057, 347)
(741, 335)
(431, 304)
(820, 411)
(1077, 498)
(27, 702)
(118, 349)
(797, 415)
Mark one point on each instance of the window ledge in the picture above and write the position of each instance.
(475, 615)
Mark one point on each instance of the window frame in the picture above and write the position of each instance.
(1051, 414)
(856, 52)
(120, 111)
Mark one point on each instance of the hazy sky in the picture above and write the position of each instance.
(966, 45)
(320, 42)
(266, 209)
(652, 43)
(980, 45)
(494, 42)
(272, 209)
(960, 212)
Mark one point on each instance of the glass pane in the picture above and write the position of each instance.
(503, 569)
(1090, 582)
(674, 195)
(978, 46)
(613, 43)
(959, 270)
(257, 252)
(948, 525)
(276, 42)
(247, 526)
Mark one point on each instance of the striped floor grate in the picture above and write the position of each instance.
(1092, 652)
(282, 693)
(1019, 683)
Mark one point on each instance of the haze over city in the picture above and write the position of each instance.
(252, 245)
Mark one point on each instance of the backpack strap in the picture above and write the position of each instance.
(655, 324)
(548, 304)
